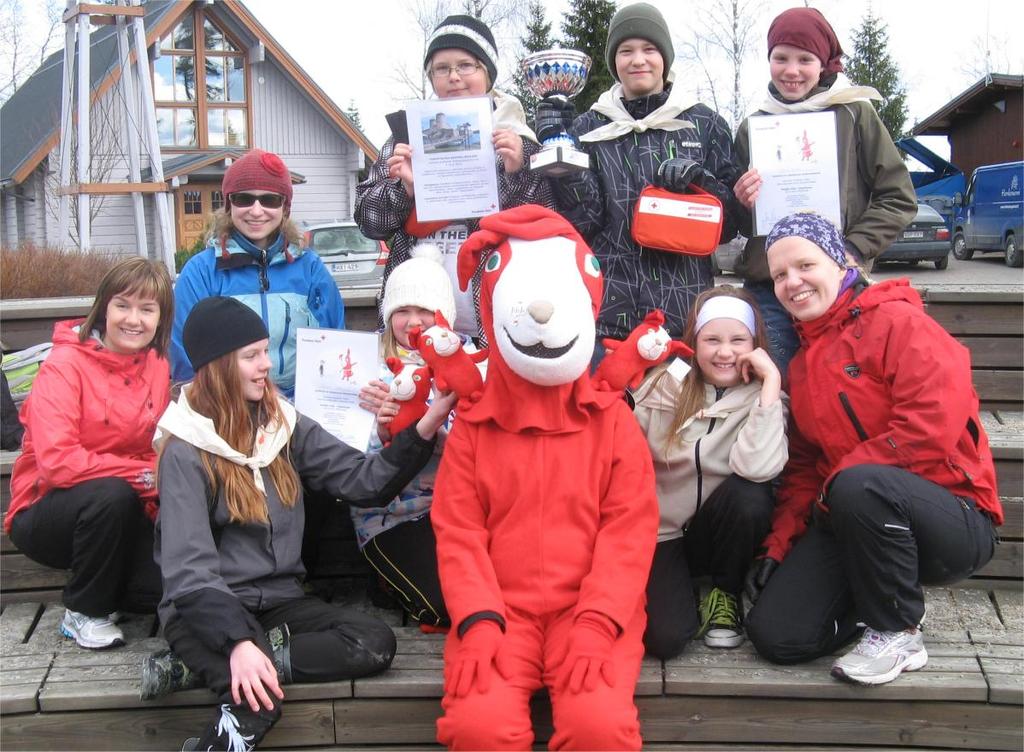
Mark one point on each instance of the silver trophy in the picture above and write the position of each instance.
(560, 73)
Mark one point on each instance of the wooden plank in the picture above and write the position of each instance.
(971, 293)
(1009, 476)
(1005, 679)
(1009, 604)
(302, 724)
(31, 596)
(21, 573)
(1008, 561)
(21, 677)
(1001, 386)
(784, 721)
(16, 624)
(377, 721)
(994, 352)
(978, 318)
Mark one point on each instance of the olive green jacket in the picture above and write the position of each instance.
(876, 194)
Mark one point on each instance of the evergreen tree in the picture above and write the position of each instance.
(585, 28)
(538, 37)
(353, 114)
(871, 65)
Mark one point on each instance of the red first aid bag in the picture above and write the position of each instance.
(688, 223)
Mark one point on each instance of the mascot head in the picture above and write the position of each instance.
(540, 290)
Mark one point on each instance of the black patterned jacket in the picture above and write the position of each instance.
(382, 206)
(599, 202)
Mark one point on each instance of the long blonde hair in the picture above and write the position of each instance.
(690, 398)
(215, 393)
(220, 228)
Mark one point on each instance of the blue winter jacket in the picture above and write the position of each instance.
(288, 287)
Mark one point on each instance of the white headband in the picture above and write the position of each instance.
(464, 31)
(726, 307)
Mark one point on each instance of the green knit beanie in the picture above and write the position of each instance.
(639, 21)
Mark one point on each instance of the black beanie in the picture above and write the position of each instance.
(639, 21)
(217, 326)
(469, 34)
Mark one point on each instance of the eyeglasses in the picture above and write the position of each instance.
(463, 69)
(267, 200)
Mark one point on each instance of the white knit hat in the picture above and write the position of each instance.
(420, 281)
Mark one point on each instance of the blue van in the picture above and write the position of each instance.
(990, 216)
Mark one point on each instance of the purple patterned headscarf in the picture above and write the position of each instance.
(813, 227)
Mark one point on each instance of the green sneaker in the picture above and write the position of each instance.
(720, 624)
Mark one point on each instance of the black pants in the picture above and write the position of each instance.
(886, 532)
(99, 531)
(720, 541)
(328, 643)
(406, 557)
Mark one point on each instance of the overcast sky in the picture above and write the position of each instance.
(351, 49)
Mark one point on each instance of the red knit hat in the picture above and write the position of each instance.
(258, 170)
(807, 29)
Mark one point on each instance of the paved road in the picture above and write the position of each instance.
(987, 269)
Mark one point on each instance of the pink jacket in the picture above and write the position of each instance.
(91, 414)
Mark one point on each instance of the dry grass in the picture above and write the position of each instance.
(32, 271)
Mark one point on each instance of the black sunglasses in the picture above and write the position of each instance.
(267, 200)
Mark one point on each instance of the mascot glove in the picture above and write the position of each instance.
(757, 577)
(676, 174)
(478, 652)
(554, 116)
(590, 653)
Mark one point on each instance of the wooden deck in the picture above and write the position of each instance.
(969, 696)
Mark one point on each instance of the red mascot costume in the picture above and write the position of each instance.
(544, 508)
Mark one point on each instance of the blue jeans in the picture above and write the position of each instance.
(782, 336)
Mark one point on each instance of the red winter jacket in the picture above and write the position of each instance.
(878, 381)
(91, 414)
(541, 522)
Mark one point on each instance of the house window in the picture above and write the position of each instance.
(199, 86)
(193, 202)
(216, 200)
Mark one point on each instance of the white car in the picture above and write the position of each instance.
(354, 260)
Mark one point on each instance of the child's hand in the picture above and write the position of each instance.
(756, 364)
(509, 146)
(748, 187)
(759, 365)
(400, 166)
(252, 674)
(437, 413)
(373, 396)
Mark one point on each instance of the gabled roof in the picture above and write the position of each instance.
(989, 89)
(30, 119)
(204, 164)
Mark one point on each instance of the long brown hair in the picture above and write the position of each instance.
(220, 228)
(215, 393)
(134, 276)
(690, 398)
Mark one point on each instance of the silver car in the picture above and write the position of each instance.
(354, 260)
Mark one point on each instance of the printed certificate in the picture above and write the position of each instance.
(798, 160)
(453, 165)
(331, 367)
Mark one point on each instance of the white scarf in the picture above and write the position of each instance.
(509, 113)
(665, 118)
(181, 420)
(842, 91)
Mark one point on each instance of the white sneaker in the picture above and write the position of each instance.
(93, 632)
(881, 656)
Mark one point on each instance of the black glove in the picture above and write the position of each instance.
(554, 116)
(757, 577)
(677, 174)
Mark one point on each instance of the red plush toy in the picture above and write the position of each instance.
(628, 360)
(410, 388)
(454, 369)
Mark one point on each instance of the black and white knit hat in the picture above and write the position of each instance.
(469, 34)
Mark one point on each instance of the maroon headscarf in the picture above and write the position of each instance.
(807, 29)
